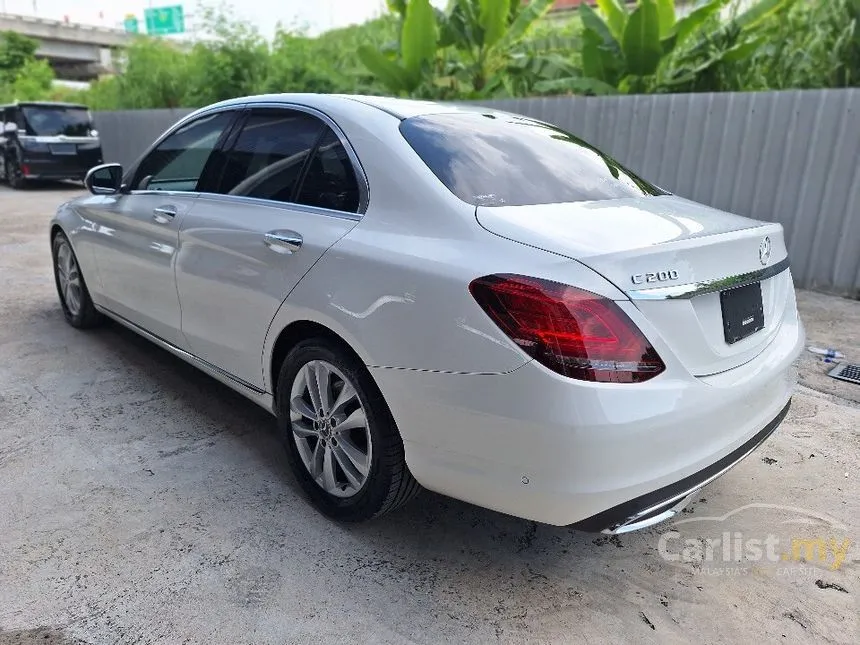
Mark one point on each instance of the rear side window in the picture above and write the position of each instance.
(293, 157)
(505, 160)
(330, 180)
(270, 154)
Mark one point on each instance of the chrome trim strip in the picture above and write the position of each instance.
(632, 525)
(258, 396)
(631, 521)
(304, 208)
(694, 289)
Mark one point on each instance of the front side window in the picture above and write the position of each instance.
(506, 160)
(270, 155)
(177, 163)
(52, 121)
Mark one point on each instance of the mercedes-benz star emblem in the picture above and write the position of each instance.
(764, 250)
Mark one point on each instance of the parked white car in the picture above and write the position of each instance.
(445, 297)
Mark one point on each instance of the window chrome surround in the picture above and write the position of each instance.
(358, 169)
(271, 203)
(693, 289)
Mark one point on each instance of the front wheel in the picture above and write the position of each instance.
(74, 296)
(342, 442)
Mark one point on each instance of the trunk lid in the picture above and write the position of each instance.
(652, 247)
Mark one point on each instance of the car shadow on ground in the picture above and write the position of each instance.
(218, 405)
(34, 186)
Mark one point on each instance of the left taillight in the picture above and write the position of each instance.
(571, 331)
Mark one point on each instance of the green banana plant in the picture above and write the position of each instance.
(419, 39)
(465, 48)
(626, 49)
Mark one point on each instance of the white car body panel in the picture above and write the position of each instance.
(621, 239)
(231, 284)
(481, 421)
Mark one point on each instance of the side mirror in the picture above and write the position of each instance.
(105, 179)
(10, 127)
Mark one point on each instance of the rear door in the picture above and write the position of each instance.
(137, 234)
(290, 188)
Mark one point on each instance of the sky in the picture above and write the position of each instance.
(316, 15)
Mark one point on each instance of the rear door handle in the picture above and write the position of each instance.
(163, 214)
(283, 241)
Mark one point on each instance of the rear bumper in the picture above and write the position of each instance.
(536, 445)
(660, 505)
(58, 167)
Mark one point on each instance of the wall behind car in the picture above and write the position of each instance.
(790, 157)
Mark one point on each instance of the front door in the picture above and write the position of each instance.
(136, 247)
(289, 192)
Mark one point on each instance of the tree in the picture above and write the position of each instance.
(153, 75)
(232, 59)
(33, 82)
(15, 52)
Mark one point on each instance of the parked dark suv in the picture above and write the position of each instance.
(42, 140)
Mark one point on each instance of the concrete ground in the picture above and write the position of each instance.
(143, 502)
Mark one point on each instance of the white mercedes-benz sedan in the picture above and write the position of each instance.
(446, 297)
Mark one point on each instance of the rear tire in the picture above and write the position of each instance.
(75, 300)
(14, 177)
(341, 439)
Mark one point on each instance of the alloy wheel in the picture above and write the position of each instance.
(329, 426)
(69, 278)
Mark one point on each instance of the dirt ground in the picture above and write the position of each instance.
(143, 502)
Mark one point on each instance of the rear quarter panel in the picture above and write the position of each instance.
(403, 301)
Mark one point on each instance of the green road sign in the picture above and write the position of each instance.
(164, 20)
(131, 25)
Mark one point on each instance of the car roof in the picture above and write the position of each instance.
(398, 108)
(44, 104)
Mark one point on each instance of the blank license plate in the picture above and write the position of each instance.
(64, 148)
(743, 313)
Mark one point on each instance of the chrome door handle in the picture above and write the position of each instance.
(283, 241)
(163, 214)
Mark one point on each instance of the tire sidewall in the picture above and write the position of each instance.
(76, 320)
(13, 168)
(367, 502)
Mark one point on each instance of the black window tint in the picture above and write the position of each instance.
(505, 160)
(54, 120)
(178, 161)
(269, 155)
(330, 180)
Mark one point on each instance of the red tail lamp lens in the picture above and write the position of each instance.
(573, 332)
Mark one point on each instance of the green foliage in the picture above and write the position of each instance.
(417, 47)
(815, 45)
(650, 50)
(15, 52)
(641, 41)
(706, 57)
(476, 49)
(469, 50)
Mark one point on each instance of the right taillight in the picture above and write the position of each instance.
(573, 332)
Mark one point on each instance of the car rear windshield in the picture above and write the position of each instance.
(50, 121)
(506, 160)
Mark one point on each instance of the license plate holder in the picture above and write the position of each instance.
(743, 312)
(64, 149)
